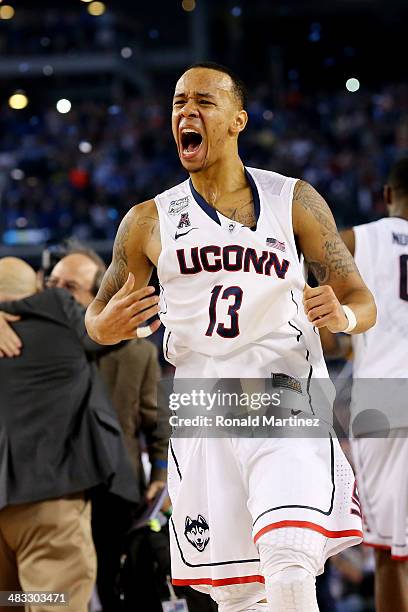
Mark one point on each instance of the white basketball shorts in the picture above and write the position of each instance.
(382, 476)
(227, 492)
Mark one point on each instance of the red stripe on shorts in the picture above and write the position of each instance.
(307, 525)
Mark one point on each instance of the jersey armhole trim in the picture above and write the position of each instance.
(299, 256)
(161, 229)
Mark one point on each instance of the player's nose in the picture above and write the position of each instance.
(189, 109)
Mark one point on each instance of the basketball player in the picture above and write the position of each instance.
(253, 519)
(380, 250)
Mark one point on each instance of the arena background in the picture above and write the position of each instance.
(76, 173)
(85, 107)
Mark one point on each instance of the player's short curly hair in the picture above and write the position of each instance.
(239, 87)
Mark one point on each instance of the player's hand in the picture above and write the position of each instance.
(10, 343)
(323, 309)
(125, 312)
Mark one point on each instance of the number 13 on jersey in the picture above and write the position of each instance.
(229, 329)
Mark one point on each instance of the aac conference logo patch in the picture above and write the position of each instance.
(176, 206)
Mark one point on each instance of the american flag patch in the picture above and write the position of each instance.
(272, 242)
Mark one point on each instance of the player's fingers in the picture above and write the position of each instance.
(323, 321)
(316, 313)
(127, 286)
(313, 302)
(143, 304)
(144, 331)
(144, 316)
(310, 292)
(137, 295)
(154, 326)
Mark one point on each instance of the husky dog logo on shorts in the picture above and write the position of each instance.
(196, 532)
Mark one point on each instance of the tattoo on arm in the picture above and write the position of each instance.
(337, 261)
(117, 272)
(149, 224)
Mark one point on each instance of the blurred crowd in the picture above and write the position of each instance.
(76, 174)
(58, 31)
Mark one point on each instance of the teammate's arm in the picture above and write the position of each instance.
(123, 301)
(349, 239)
(332, 265)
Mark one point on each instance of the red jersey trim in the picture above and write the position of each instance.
(307, 525)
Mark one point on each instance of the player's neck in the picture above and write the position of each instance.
(400, 210)
(225, 177)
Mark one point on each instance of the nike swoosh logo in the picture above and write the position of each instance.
(184, 233)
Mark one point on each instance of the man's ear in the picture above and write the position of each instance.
(40, 281)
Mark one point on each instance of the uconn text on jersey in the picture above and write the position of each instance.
(232, 258)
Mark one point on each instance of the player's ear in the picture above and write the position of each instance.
(240, 121)
(387, 193)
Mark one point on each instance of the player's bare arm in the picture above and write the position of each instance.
(124, 302)
(338, 346)
(332, 265)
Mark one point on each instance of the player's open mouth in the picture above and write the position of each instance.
(190, 141)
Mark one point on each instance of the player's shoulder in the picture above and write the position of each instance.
(141, 214)
(270, 180)
(383, 224)
(174, 199)
(143, 208)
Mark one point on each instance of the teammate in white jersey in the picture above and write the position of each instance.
(380, 250)
(253, 519)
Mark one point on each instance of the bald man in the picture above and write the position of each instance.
(59, 437)
(17, 279)
(131, 374)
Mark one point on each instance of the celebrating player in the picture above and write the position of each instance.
(380, 250)
(253, 519)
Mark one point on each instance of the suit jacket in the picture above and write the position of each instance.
(59, 434)
(131, 375)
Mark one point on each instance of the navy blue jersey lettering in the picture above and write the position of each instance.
(231, 258)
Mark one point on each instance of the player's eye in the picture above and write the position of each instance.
(178, 102)
(207, 102)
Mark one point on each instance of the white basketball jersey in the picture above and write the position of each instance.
(381, 255)
(226, 287)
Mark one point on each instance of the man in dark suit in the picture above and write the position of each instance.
(131, 374)
(59, 437)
